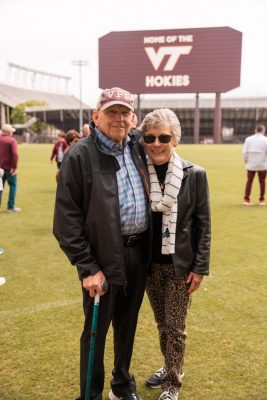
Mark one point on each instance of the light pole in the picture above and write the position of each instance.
(80, 64)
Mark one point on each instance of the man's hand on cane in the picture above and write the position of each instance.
(94, 284)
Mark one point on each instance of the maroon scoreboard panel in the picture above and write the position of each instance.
(201, 60)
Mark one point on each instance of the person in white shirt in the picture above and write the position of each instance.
(255, 158)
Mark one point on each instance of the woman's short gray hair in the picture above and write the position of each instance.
(162, 117)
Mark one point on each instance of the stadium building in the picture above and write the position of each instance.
(238, 115)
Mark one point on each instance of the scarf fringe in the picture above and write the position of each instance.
(167, 203)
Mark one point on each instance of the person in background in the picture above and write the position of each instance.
(86, 130)
(101, 222)
(2, 279)
(71, 138)
(9, 163)
(58, 149)
(255, 158)
(135, 121)
(181, 242)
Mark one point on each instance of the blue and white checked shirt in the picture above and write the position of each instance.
(132, 197)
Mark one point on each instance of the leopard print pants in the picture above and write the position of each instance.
(169, 300)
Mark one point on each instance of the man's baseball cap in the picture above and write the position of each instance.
(110, 97)
(8, 128)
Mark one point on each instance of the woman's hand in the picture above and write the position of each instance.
(195, 281)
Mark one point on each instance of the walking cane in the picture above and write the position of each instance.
(92, 342)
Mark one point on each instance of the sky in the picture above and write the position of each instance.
(48, 35)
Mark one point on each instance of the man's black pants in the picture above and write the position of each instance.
(120, 306)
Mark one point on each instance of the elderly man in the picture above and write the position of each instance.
(86, 130)
(9, 163)
(101, 222)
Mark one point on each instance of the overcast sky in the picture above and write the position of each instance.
(48, 34)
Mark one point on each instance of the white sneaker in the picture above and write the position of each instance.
(247, 203)
(2, 280)
(15, 209)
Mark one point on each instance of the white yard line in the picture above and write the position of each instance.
(40, 307)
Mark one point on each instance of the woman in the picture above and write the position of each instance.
(181, 244)
(71, 138)
(58, 149)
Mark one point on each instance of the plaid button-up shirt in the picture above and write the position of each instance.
(132, 197)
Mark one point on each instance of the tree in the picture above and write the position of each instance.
(18, 115)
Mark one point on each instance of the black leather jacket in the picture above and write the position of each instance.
(87, 215)
(193, 233)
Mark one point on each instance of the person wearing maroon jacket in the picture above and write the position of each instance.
(9, 162)
(58, 149)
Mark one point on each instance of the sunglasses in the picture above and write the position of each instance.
(163, 138)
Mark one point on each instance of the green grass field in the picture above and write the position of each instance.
(40, 305)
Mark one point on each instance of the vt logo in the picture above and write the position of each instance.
(174, 53)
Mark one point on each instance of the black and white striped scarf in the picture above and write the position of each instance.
(167, 202)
